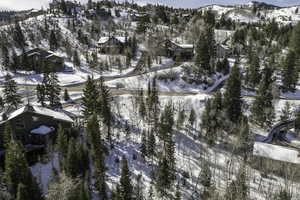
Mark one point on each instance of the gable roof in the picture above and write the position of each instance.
(40, 52)
(103, 40)
(41, 111)
(180, 45)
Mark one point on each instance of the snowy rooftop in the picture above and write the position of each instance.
(103, 40)
(42, 130)
(42, 111)
(186, 46)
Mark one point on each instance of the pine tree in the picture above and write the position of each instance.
(202, 59)
(41, 94)
(11, 97)
(66, 95)
(262, 109)
(53, 41)
(18, 36)
(162, 176)
(254, 71)
(177, 193)
(232, 96)
(286, 112)
(72, 162)
(297, 120)
(23, 193)
(63, 188)
(5, 57)
(53, 91)
(142, 106)
(84, 192)
(143, 147)
(226, 66)
(180, 118)
(295, 40)
(8, 134)
(283, 194)
(104, 107)
(94, 137)
(151, 144)
(1, 103)
(126, 188)
(18, 172)
(76, 59)
(89, 98)
(62, 145)
(192, 117)
(205, 175)
(290, 72)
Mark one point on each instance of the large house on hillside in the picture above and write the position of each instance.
(112, 45)
(34, 124)
(175, 50)
(37, 59)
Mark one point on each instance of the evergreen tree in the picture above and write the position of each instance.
(142, 106)
(11, 97)
(53, 91)
(66, 95)
(18, 36)
(126, 188)
(8, 134)
(262, 109)
(89, 98)
(162, 176)
(151, 144)
(202, 59)
(143, 147)
(295, 40)
(192, 117)
(84, 193)
(76, 59)
(104, 107)
(62, 145)
(53, 41)
(23, 193)
(253, 71)
(232, 96)
(5, 57)
(286, 112)
(283, 194)
(41, 94)
(74, 162)
(205, 174)
(226, 66)
(180, 118)
(18, 172)
(297, 120)
(63, 188)
(290, 72)
(1, 103)
(177, 193)
(98, 156)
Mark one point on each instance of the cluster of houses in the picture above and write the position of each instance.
(38, 58)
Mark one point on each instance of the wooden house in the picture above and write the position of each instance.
(38, 59)
(175, 50)
(112, 45)
(33, 124)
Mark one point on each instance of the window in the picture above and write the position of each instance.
(20, 124)
(35, 118)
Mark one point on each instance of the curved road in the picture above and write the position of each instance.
(275, 131)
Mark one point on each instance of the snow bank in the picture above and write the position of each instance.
(276, 152)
